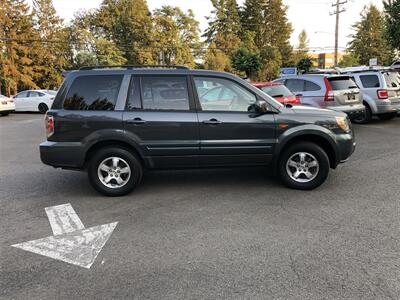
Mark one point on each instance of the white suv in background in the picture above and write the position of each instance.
(381, 92)
(6, 105)
(34, 100)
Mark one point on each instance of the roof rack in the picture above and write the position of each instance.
(131, 67)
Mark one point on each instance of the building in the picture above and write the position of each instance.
(324, 60)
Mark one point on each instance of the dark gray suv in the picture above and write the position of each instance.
(115, 122)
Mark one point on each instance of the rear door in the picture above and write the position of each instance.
(20, 101)
(230, 132)
(33, 101)
(160, 115)
(345, 91)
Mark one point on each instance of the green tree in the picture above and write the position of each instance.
(271, 61)
(392, 17)
(176, 34)
(215, 59)
(129, 24)
(224, 27)
(304, 64)
(349, 60)
(302, 48)
(246, 61)
(51, 60)
(369, 40)
(268, 19)
(15, 32)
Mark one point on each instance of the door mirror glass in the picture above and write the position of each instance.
(262, 107)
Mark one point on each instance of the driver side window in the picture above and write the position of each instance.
(217, 94)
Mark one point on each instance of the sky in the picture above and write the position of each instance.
(311, 15)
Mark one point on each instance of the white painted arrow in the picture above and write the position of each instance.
(71, 242)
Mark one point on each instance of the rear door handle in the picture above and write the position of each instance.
(136, 121)
(212, 122)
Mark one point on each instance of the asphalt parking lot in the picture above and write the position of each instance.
(208, 234)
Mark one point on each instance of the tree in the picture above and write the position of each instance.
(349, 60)
(302, 49)
(215, 59)
(268, 19)
(304, 64)
(176, 34)
(129, 24)
(15, 33)
(271, 61)
(51, 60)
(224, 27)
(246, 61)
(369, 40)
(392, 17)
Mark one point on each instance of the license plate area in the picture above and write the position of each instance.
(351, 97)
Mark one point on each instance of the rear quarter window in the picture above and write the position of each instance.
(370, 81)
(99, 92)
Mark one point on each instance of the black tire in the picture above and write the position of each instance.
(5, 114)
(365, 118)
(43, 108)
(320, 156)
(387, 117)
(136, 171)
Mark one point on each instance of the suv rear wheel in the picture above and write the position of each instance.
(114, 171)
(304, 166)
(364, 118)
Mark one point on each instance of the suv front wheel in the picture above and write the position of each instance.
(114, 171)
(304, 166)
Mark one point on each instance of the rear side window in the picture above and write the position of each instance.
(342, 83)
(165, 93)
(98, 92)
(311, 86)
(295, 85)
(392, 79)
(370, 81)
(277, 91)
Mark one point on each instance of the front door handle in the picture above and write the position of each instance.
(136, 121)
(212, 122)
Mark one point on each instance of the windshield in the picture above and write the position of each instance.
(342, 83)
(392, 79)
(277, 91)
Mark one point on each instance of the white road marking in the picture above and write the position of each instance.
(63, 219)
(71, 243)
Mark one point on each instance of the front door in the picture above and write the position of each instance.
(231, 132)
(161, 117)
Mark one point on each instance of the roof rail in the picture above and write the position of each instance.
(131, 67)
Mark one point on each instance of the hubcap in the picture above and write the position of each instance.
(302, 167)
(114, 172)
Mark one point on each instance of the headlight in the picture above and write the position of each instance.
(343, 124)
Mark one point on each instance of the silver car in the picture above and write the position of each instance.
(334, 92)
(381, 93)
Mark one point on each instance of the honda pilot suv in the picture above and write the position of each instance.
(116, 122)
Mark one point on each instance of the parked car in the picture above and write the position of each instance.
(279, 92)
(381, 93)
(6, 105)
(114, 122)
(34, 100)
(335, 92)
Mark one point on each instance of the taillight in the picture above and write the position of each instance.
(383, 94)
(329, 96)
(49, 124)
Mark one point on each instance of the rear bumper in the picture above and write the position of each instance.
(387, 107)
(62, 155)
(352, 111)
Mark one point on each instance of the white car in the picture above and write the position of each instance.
(6, 105)
(34, 100)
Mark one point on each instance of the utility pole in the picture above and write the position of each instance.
(337, 12)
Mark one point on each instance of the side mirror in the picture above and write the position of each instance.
(262, 107)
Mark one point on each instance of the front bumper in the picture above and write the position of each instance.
(347, 145)
(62, 154)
